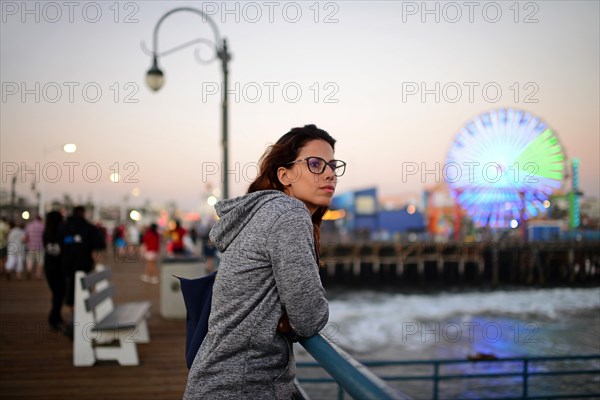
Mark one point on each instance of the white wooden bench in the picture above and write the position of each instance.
(101, 330)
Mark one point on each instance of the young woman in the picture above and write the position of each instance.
(268, 289)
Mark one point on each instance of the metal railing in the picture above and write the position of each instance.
(524, 374)
(352, 376)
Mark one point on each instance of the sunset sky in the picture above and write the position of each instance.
(74, 73)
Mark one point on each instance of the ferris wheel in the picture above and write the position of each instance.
(503, 166)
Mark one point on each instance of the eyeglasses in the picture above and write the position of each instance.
(317, 165)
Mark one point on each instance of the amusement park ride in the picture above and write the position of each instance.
(506, 167)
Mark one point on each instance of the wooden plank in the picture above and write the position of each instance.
(127, 315)
(36, 362)
(99, 297)
(94, 277)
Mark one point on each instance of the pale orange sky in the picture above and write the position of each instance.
(166, 143)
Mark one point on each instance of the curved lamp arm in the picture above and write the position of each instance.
(155, 77)
(204, 16)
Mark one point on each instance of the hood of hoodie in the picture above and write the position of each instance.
(235, 214)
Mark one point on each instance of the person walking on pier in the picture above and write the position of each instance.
(267, 291)
(15, 249)
(34, 260)
(53, 268)
(81, 243)
(151, 243)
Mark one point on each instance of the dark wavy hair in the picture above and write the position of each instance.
(286, 149)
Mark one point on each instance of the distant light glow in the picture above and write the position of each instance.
(546, 203)
(514, 223)
(192, 216)
(25, 215)
(135, 215)
(411, 209)
(70, 148)
(114, 177)
(211, 200)
(333, 215)
(135, 192)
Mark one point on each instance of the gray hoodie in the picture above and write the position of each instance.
(268, 266)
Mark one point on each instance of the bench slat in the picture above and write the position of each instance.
(92, 278)
(126, 315)
(99, 297)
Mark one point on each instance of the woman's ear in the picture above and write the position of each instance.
(283, 176)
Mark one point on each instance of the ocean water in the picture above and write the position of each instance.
(448, 325)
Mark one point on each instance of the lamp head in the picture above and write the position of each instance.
(154, 76)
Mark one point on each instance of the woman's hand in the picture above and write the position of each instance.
(283, 326)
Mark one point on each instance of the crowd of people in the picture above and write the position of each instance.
(58, 247)
(55, 248)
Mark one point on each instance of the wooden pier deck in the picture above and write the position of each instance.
(36, 362)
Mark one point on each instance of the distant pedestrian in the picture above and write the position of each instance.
(15, 250)
(151, 243)
(103, 231)
(133, 235)
(53, 268)
(119, 242)
(176, 235)
(35, 247)
(79, 240)
(194, 237)
(4, 228)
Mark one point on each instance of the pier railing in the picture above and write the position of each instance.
(350, 375)
(519, 370)
(397, 263)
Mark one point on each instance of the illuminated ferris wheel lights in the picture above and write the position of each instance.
(519, 164)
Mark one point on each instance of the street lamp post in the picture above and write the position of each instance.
(155, 77)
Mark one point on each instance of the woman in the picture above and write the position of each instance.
(268, 289)
(15, 249)
(55, 275)
(151, 241)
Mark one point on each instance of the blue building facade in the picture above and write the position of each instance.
(364, 218)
